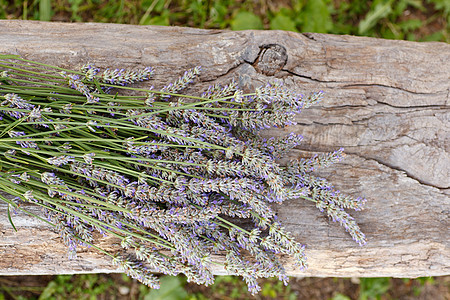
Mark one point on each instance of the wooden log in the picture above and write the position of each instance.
(386, 102)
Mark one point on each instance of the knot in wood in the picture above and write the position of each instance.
(271, 59)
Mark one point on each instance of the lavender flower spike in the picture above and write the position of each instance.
(15, 101)
(125, 77)
(60, 160)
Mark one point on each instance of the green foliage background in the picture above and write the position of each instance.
(418, 20)
(117, 287)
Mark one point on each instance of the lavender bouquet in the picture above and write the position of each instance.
(170, 175)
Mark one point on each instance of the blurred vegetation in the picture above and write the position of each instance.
(418, 20)
(121, 287)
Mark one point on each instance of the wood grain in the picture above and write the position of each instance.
(386, 102)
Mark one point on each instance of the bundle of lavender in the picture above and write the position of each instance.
(169, 174)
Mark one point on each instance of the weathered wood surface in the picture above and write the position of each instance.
(386, 103)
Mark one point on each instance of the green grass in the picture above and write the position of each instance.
(418, 20)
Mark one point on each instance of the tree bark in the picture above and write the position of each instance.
(386, 102)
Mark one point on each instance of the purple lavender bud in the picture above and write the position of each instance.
(15, 101)
(88, 158)
(89, 71)
(75, 83)
(124, 77)
(181, 82)
(60, 160)
(23, 143)
(28, 195)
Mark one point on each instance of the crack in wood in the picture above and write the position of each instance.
(388, 86)
(393, 167)
(418, 107)
(230, 70)
(292, 73)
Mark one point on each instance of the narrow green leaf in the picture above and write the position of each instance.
(10, 220)
(9, 56)
(49, 290)
(45, 10)
(379, 10)
(162, 19)
(12, 125)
